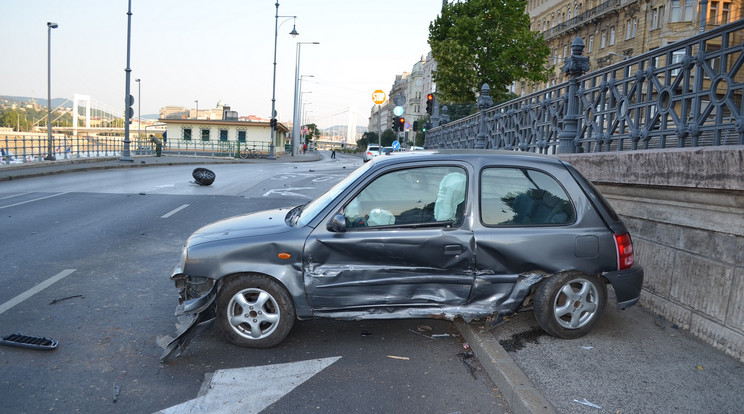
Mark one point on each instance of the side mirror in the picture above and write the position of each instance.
(337, 224)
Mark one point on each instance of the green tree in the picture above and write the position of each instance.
(388, 136)
(313, 133)
(485, 41)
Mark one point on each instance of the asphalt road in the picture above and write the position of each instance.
(85, 260)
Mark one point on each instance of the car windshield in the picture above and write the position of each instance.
(314, 207)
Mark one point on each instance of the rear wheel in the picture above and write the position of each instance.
(254, 311)
(568, 305)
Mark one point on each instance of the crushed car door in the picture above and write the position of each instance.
(401, 240)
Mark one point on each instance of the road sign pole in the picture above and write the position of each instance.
(379, 128)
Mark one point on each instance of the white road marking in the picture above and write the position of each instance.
(288, 191)
(31, 201)
(34, 290)
(14, 195)
(172, 212)
(251, 389)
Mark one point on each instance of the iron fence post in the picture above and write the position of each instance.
(484, 102)
(576, 65)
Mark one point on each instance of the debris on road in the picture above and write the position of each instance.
(398, 357)
(587, 403)
(465, 357)
(69, 297)
(203, 176)
(432, 336)
(29, 342)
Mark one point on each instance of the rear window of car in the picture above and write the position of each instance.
(373, 148)
(523, 197)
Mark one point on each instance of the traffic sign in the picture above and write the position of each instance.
(408, 125)
(396, 145)
(379, 97)
(398, 110)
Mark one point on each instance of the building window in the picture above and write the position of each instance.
(725, 12)
(677, 56)
(205, 134)
(241, 136)
(612, 35)
(187, 134)
(223, 135)
(720, 12)
(591, 43)
(630, 28)
(681, 10)
(603, 40)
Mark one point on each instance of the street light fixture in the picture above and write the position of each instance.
(50, 154)
(139, 113)
(296, 115)
(273, 83)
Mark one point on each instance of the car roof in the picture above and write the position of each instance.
(474, 156)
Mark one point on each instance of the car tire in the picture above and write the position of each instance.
(203, 176)
(568, 305)
(254, 311)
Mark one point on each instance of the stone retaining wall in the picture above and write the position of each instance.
(685, 211)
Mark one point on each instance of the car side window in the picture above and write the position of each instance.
(423, 196)
(522, 197)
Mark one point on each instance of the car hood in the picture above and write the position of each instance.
(249, 225)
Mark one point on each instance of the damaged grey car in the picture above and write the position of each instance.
(426, 234)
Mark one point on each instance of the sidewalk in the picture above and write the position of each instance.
(632, 362)
(60, 166)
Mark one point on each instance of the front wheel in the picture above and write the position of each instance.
(254, 311)
(568, 305)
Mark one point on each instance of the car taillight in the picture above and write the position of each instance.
(624, 251)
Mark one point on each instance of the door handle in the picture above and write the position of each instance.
(452, 249)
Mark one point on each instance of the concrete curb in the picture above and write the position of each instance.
(40, 169)
(517, 389)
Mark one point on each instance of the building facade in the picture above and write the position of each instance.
(224, 132)
(614, 30)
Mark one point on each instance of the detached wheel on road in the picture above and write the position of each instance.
(254, 311)
(568, 305)
(203, 176)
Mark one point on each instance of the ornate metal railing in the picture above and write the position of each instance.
(30, 147)
(690, 93)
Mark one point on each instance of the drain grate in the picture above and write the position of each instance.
(28, 341)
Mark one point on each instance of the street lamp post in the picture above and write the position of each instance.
(139, 113)
(50, 154)
(125, 155)
(294, 33)
(296, 115)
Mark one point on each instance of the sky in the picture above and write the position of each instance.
(188, 50)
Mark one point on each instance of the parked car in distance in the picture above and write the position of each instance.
(371, 152)
(469, 234)
(387, 150)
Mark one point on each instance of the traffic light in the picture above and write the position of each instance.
(273, 123)
(394, 124)
(429, 103)
(401, 123)
(130, 110)
(415, 125)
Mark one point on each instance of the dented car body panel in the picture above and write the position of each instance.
(426, 234)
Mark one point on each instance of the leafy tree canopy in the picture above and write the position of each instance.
(313, 132)
(484, 41)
